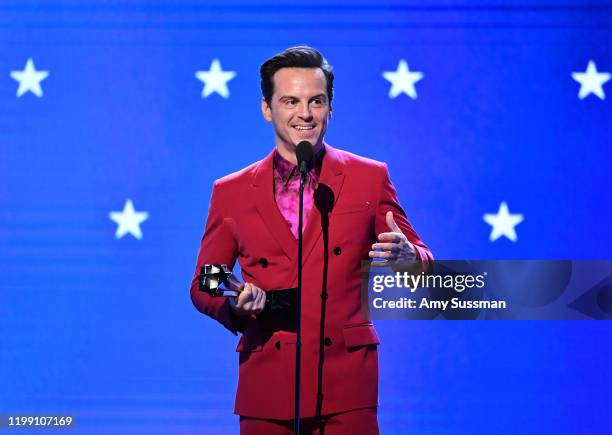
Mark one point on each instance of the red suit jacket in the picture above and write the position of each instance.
(339, 342)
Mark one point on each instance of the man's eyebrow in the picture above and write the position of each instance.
(290, 97)
(319, 96)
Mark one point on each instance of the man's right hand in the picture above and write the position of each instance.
(251, 300)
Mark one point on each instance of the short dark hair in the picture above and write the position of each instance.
(301, 56)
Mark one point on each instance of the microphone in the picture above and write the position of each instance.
(305, 156)
(305, 159)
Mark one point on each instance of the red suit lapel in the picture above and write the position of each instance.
(263, 195)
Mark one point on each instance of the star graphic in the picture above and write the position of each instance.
(29, 79)
(128, 220)
(503, 223)
(215, 79)
(403, 80)
(591, 81)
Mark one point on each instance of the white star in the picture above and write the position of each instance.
(403, 80)
(591, 81)
(215, 79)
(503, 223)
(29, 79)
(128, 220)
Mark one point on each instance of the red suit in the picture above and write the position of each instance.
(339, 342)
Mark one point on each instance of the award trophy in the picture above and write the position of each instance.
(214, 276)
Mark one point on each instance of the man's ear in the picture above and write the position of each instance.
(266, 110)
(329, 115)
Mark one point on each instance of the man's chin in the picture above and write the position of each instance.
(313, 139)
(292, 146)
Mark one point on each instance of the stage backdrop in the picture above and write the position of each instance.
(117, 116)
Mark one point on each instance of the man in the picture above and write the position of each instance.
(349, 203)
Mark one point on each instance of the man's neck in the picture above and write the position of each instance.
(289, 154)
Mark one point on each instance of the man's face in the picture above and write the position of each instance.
(299, 108)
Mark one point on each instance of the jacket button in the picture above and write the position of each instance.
(277, 345)
(324, 296)
(337, 250)
(263, 261)
(327, 341)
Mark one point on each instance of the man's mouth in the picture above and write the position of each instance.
(304, 127)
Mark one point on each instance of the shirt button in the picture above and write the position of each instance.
(324, 295)
(327, 341)
(277, 345)
(263, 262)
(337, 250)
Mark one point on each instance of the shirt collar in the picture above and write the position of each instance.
(287, 170)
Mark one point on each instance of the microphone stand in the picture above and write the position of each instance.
(298, 323)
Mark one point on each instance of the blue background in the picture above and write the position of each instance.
(104, 328)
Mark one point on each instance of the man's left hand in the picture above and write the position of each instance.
(394, 244)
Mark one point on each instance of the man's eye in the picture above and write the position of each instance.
(290, 103)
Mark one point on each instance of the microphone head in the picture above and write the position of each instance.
(305, 155)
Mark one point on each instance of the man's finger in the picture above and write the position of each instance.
(391, 223)
(386, 246)
(391, 237)
(258, 297)
(386, 255)
(245, 296)
(262, 302)
(257, 306)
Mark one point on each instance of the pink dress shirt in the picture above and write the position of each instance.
(287, 190)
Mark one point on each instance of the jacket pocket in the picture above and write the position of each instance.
(359, 335)
(352, 208)
(243, 346)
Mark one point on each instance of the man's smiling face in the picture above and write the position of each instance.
(299, 108)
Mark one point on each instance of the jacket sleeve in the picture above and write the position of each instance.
(388, 202)
(218, 246)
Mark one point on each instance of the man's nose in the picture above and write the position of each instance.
(305, 112)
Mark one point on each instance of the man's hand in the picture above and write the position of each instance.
(397, 249)
(251, 300)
